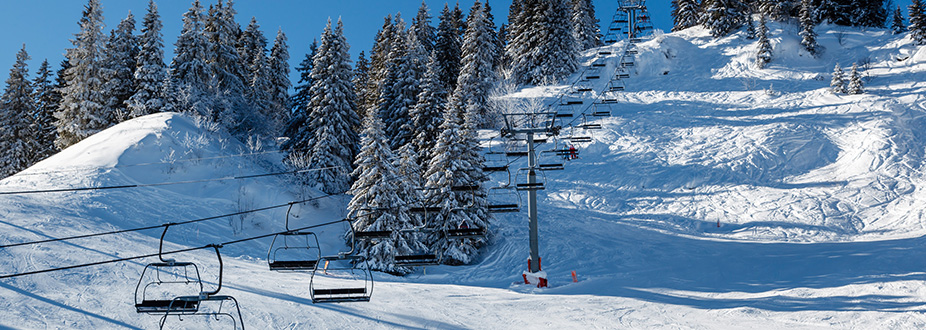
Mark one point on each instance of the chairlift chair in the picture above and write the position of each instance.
(587, 124)
(526, 186)
(300, 255)
(500, 200)
(579, 139)
(615, 86)
(548, 160)
(161, 282)
(602, 110)
(369, 235)
(211, 296)
(342, 277)
(495, 163)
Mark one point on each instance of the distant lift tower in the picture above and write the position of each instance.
(531, 125)
(631, 20)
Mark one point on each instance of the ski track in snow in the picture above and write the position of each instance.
(816, 196)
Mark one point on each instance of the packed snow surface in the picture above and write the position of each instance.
(717, 195)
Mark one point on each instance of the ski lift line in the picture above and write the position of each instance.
(72, 169)
(210, 246)
(165, 225)
(227, 178)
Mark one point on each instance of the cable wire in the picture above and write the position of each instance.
(164, 225)
(240, 177)
(97, 263)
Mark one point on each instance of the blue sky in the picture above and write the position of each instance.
(46, 26)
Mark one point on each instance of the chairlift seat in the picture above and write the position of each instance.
(604, 52)
(563, 115)
(572, 102)
(581, 139)
(340, 295)
(516, 154)
(503, 208)
(584, 89)
(632, 51)
(616, 88)
(163, 306)
(529, 186)
(599, 65)
(502, 168)
(373, 234)
(466, 233)
(592, 77)
(627, 64)
(601, 113)
(464, 188)
(590, 126)
(551, 167)
(416, 259)
(293, 264)
(608, 101)
(425, 209)
(623, 75)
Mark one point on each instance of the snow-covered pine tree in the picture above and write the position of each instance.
(838, 83)
(150, 70)
(190, 72)
(323, 137)
(764, 52)
(82, 112)
(252, 50)
(452, 165)
(723, 16)
(422, 28)
(380, 201)
(513, 30)
(449, 47)
(362, 86)
(301, 97)
(228, 72)
(776, 9)
(498, 46)
(279, 83)
(869, 13)
(46, 102)
(558, 51)
(897, 22)
(808, 36)
(399, 89)
(584, 24)
(250, 43)
(16, 123)
(477, 75)
(688, 14)
(426, 116)
(750, 27)
(917, 22)
(855, 85)
(258, 96)
(379, 58)
(119, 68)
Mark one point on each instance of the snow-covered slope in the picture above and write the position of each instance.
(820, 219)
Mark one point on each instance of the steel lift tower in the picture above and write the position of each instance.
(631, 20)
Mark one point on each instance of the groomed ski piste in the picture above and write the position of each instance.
(715, 196)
